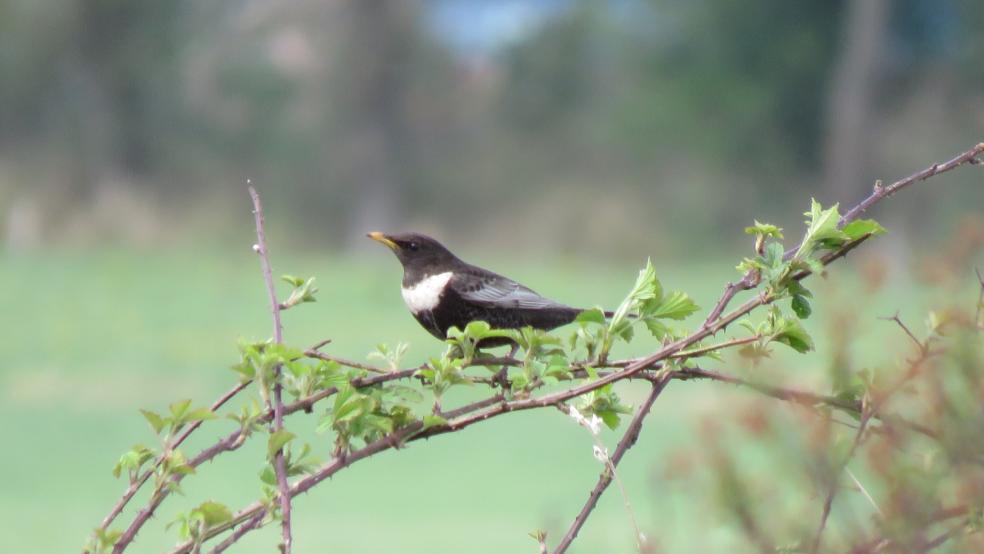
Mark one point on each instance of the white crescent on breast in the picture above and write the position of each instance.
(427, 293)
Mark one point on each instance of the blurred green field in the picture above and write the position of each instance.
(91, 336)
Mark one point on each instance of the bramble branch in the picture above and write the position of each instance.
(279, 464)
(605, 479)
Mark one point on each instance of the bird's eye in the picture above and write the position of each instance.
(413, 246)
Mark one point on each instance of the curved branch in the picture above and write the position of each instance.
(605, 479)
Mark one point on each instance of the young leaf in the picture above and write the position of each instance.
(214, 513)
(431, 420)
(179, 408)
(155, 420)
(199, 414)
(860, 227)
(765, 230)
(821, 227)
(278, 440)
(676, 305)
(801, 306)
(292, 280)
(791, 333)
(594, 315)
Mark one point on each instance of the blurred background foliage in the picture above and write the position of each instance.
(557, 141)
(466, 117)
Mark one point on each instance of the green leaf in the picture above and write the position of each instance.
(610, 417)
(821, 227)
(676, 305)
(765, 230)
(156, 421)
(106, 539)
(658, 329)
(179, 408)
(292, 280)
(860, 227)
(132, 460)
(199, 414)
(349, 409)
(773, 268)
(791, 333)
(278, 440)
(431, 420)
(245, 369)
(801, 306)
(593, 315)
(214, 513)
(477, 329)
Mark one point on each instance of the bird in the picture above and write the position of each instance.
(442, 291)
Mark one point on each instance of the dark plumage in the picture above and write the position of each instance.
(441, 290)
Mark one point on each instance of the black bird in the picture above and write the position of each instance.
(441, 290)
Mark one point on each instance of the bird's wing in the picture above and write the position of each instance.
(495, 291)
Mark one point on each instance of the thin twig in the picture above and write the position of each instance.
(919, 344)
(279, 463)
(313, 353)
(944, 536)
(864, 491)
(604, 480)
(835, 477)
(730, 290)
(250, 524)
(137, 483)
(715, 347)
(880, 193)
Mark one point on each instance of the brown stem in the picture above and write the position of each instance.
(139, 482)
(880, 193)
(279, 463)
(246, 527)
(832, 488)
(605, 479)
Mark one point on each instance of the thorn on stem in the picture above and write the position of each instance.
(922, 347)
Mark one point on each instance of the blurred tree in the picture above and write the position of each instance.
(101, 78)
(379, 46)
(847, 148)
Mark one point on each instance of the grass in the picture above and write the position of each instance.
(90, 337)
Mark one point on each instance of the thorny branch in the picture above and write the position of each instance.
(605, 479)
(279, 463)
(254, 515)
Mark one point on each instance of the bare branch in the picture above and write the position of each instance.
(880, 193)
(250, 524)
(835, 478)
(605, 479)
(279, 463)
(919, 344)
(139, 482)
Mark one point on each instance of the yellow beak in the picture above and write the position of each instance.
(379, 237)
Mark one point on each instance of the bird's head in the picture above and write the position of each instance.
(415, 251)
